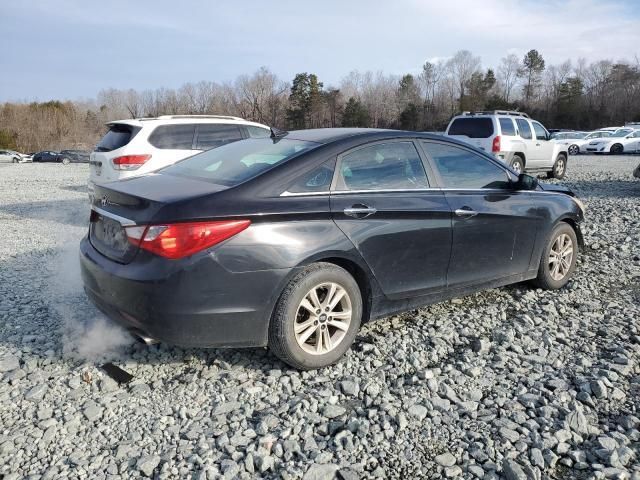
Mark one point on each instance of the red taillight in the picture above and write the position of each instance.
(495, 147)
(130, 162)
(180, 240)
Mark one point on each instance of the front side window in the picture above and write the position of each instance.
(383, 166)
(216, 134)
(257, 132)
(507, 127)
(173, 137)
(236, 162)
(524, 128)
(462, 169)
(541, 133)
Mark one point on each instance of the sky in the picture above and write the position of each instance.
(71, 49)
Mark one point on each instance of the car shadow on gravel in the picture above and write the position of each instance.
(68, 212)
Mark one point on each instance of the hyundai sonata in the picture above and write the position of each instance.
(293, 241)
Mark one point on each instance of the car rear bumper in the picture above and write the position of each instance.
(193, 302)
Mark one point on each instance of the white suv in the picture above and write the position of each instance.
(138, 146)
(512, 137)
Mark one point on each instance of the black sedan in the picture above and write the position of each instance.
(293, 241)
(49, 156)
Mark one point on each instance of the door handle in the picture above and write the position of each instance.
(537, 144)
(359, 211)
(465, 212)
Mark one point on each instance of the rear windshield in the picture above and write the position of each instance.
(233, 163)
(472, 127)
(117, 136)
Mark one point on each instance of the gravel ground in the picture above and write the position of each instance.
(514, 382)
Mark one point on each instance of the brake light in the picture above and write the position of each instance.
(130, 162)
(495, 147)
(179, 240)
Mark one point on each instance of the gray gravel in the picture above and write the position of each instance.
(515, 383)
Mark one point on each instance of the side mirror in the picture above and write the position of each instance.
(526, 182)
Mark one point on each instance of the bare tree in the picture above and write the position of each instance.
(508, 74)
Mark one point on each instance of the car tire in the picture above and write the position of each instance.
(65, 161)
(574, 150)
(297, 345)
(616, 149)
(15, 160)
(559, 168)
(517, 164)
(556, 254)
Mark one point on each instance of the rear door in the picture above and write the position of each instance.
(526, 135)
(382, 200)
(494, 226)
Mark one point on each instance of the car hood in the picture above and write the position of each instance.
(552, 187)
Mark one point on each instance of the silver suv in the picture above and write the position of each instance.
(512, 137)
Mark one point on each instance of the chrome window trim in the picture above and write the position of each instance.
(125, 222)
(304, 194)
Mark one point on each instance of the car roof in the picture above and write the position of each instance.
(328, 135)
(178, 119)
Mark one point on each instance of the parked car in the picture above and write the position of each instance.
(76, 156)
(27, 157)
(293, 241)
(567, 135)
(623, 141)
(578, 145)
(10, 156)
(514, 138)
(636, 172)
(136, 147)
(50, 156)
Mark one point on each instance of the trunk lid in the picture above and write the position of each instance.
(132, 202)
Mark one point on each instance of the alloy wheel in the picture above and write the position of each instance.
(323, 318)
(559, 167)
(560, 257)
(573, 150)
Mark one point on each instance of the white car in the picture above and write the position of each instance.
(513, 138)
(623, 141)
(139, 146)
(9, 156)
(578, 145)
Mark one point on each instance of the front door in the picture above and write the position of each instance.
(382, 201)
(494, 226)
(543, 152)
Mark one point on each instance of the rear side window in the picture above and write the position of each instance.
(382, 166)
(472, 127)
(117, 136)
(463, 169)
(173, 137)
(524, 128)
(317, 180)
(216, 134)
(257, 132)
(507, 127)
(236, 162)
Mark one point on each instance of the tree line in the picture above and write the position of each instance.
(573, 94)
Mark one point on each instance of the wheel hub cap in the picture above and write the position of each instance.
(560, 257)
(323, 318)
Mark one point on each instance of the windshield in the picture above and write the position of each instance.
(236, 162)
